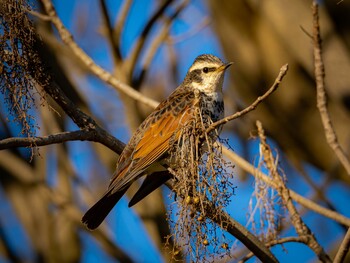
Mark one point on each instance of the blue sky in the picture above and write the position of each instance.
(123, 221)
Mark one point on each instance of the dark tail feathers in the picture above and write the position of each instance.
(98, 212)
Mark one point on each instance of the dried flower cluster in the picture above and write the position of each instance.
(202, 185)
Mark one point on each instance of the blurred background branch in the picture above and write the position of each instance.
(142, 51)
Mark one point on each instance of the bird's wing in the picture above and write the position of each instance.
(163, 126)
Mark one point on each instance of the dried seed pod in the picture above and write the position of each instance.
(196, 200)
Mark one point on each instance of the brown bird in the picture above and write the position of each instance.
(147, 151)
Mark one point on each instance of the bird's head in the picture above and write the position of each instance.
(206, 74)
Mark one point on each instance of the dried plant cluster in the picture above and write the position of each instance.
(20, 67)
(266, 204)
(202, 186)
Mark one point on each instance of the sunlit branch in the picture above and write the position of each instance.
(343, 248)
(104, 75)
(322, 95)
(282, 73)
(301, 228)
(121, 18)
(246, 166)
(110, 32)
(299, 239)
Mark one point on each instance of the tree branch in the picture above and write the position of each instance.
(86, 60)
(80, 135)
(157, 41)
(301, 228)
(135, 53)
(299, 239)
(246, 166)
(343, 249)
(121, 18)
(110, 33)
(322, 95)
(282, 73)
(227, 223)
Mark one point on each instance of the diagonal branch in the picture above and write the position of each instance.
(343, 249)
(110, 33)
(120, 22)
(136, 51)
(322, 95)
(158, 40)
(246, 166)
(81, 119)
(282, 73)
(301, 228)
(227, 223)
(104, 75)
(279, 241)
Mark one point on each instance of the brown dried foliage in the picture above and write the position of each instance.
(21, 67)
(202, 179)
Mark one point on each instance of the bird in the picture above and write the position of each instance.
(146, 153)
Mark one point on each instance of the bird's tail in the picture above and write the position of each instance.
(98, 212)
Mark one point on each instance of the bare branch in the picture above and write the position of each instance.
(14, 142)
(300, 239)
(343, 249)
(301, 228)
(162, 35)
(283, 72)
(136, 51)
(121, 18)
(322, 95)
(86, 60)
(80, 135)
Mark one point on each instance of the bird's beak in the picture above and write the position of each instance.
(224, 67)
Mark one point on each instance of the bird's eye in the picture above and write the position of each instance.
(205, 70)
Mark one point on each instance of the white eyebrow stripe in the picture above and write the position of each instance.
(201, 65)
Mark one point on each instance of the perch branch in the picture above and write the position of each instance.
(282, 73)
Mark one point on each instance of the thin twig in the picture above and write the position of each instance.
(246, 166)
(80, 135)
(322, 95)
(136, 51)
(38, 15)
(282, 73)
(121, 18)
(301, 228)
(86, 60)
(157, 41)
